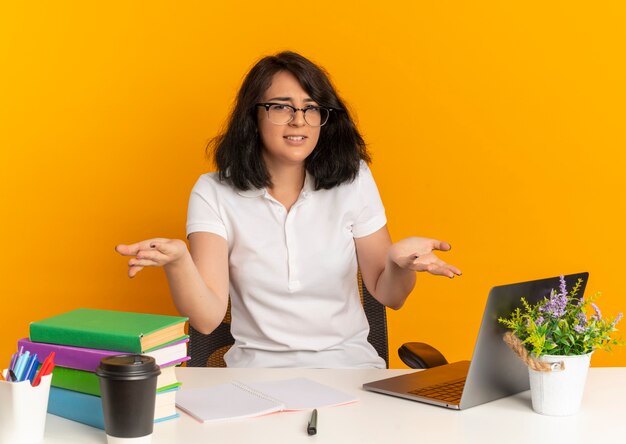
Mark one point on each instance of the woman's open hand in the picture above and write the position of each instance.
(416, 253)
(155, 252)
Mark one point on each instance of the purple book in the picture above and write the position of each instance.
(89, 358)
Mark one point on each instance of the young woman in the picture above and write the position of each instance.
(282, 227)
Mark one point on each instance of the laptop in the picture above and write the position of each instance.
(494, 371)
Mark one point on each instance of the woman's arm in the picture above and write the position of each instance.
(198, 280)
(388, 269)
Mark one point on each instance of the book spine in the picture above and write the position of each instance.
(78, 358)
(80, 407)
(87, 382)
(107, 340)
(76, 380)
(84, 408)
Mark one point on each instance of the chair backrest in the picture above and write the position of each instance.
(377, 317)
(208, 350)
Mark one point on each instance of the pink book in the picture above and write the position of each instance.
(88, 359)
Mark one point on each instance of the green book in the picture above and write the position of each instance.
(109, 330)
(88, 382)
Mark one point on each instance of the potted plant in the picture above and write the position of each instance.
(555, 338)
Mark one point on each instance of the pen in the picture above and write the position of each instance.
(13, 360)
(21, 364)
(312, 428)
(30, 368)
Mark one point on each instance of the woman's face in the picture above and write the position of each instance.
(291, 143)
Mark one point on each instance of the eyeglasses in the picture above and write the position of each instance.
(282, 114)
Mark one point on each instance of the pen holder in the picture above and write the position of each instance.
(23, 411)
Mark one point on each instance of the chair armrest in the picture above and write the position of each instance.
(420, 355)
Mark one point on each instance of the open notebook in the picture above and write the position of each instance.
(236, 400)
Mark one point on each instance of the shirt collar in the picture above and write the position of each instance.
(255, 192)
(309, 184)
(307, 188)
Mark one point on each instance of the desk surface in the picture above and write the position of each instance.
(379, 418)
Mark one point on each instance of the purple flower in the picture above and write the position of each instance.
(563, 286)
(539, 320)
(581, 325)
(617, 319)
(555, 306)
(598, 314)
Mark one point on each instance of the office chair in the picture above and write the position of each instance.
(208, 350)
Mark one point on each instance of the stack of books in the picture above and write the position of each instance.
(82, 337)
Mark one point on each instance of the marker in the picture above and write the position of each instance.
(312, 427)
(46, 369)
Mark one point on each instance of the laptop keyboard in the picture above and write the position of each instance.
(450, 391)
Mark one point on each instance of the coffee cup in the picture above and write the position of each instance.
(128, 389)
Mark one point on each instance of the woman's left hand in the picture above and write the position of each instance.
(416, 253)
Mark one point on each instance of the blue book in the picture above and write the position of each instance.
(76, 406)
(87, 409)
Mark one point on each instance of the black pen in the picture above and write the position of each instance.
(312, 428)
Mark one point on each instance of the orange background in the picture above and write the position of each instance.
(498, 127)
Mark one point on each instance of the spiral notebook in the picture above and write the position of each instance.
(236, 400)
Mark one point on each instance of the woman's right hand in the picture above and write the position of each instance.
(155, 252)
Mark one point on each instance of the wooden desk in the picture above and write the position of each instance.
(384, 419)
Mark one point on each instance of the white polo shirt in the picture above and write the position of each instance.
(293, 275)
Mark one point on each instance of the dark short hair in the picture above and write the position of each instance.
(237, 152)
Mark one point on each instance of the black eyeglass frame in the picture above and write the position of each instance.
(267, 106)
